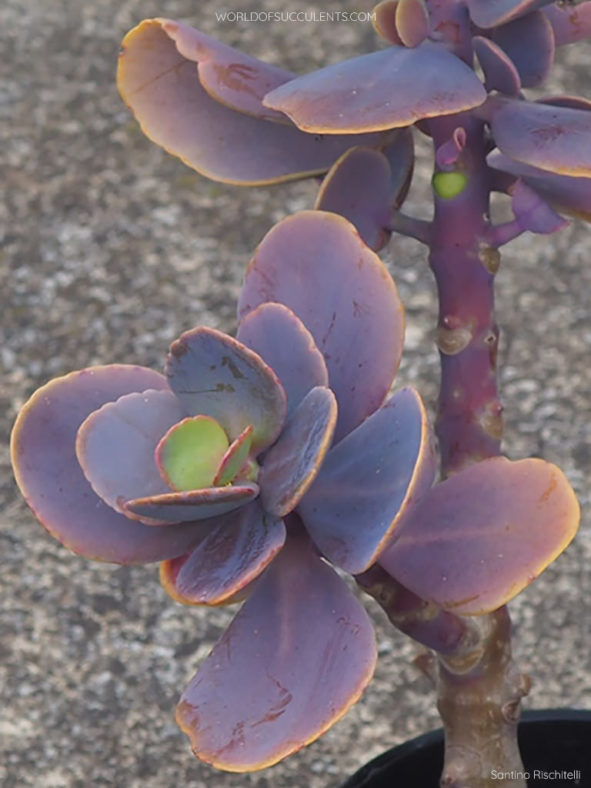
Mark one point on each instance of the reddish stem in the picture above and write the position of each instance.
(469, 423)
(423, 621)
(479, 693)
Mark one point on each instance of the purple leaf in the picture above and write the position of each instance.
(412, 22)
(179, 507)
(567, 195)
(215, 375)
(115, 445)
(369, 481)
(561, 100)
(285, 344)
(366, 185)
(291, 464)
(570, 23)
(234, 79)
(490, 13)
(382, 90)
(384, 21)
(359, 187)
(234, 459)
(529, 43)
(52, 482)
(451, 22)
(316, 264)
(290, 675)
(229, 555)
(557, 139)
(400, 153)
(476, 540)
(499, 71)
(532, 212)
(162, 89)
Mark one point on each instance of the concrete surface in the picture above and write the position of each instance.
(110, 249)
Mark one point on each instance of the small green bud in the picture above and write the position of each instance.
(448, 185)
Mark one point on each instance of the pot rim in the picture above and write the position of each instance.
(530, 717)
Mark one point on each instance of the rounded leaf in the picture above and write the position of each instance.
(229, 554)
(285, 344)
(189, 454)
(293, 461)
(369, 481)
(217, 376)
(296, 657)
(477, 539)
(234, 459)
(412, 22)
(233, 78)
(115, 445)
(358, 325)
(384, 21)
(359, 187)
(399, 150)
(162, 89)
(529, 43)
(553, 138)
(532, 212)
(50, 478)
(499, 70)
(567, 195)
(382, 90)
(178, 507)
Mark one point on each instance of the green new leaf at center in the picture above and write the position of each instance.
(189, 454)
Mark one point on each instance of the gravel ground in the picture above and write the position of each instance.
(110, 249)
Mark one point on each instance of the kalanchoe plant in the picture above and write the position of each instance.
(214, 468)
(257, 462)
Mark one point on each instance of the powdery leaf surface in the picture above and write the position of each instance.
(358, 325)
(162, 89)
(289, 674)
(369, 481)
(478, 538)
(51, 479)
(382, 90)
(229, 554)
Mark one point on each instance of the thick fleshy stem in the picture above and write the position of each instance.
(478, 694)
(423, 621)
(479, 702)
(469, 423)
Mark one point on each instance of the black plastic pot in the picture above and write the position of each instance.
(552, 741)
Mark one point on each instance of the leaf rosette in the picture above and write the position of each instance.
(215, 469)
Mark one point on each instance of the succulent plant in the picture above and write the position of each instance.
(208, 467)
(255, 463)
